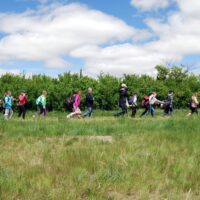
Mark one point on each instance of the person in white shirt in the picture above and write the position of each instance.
(152, 101)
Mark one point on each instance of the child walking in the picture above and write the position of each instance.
(22, 104)
(133, 104)
(8, 105)
(89, 100)
(76, 104)
(41, 104)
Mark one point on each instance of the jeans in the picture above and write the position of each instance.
(88, 113)
(8, 113)
(151, 110)
(123, 112)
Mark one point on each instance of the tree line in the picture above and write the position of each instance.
(105, 87)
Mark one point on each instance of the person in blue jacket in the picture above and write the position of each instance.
(8, 105)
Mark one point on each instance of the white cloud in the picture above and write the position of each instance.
(53, 32)
(147, 5)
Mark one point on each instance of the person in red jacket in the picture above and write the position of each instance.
(22, 104)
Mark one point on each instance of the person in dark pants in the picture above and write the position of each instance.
(123, 96)
(2, 109)
(145, 105)
(89, 103)
(168, 104)
(22, 105)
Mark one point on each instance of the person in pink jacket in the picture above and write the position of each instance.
(76, 104)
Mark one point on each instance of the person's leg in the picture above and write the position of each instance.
(87, 113)
(23, 112)
(145, 111)
(192, 111)
(44, 112)
(6, 113)
(10, 113)
(166, 111)
(120, 112)
(20, 111)
(171, 110)
(90, 114)
(152, 111)
(133, 111)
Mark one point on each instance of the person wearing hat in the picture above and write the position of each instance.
(22, 100)
(123, 96)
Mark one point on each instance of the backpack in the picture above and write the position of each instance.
(130, 101)
(145, 102)
(69, 102)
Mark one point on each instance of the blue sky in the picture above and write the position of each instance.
(117, 37)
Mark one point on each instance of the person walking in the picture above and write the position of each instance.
(41, 103)
(194, 104)
(133, 104)
(89, 100)
(168, 104)
(152, 101)
(123, 96)
(8, 105)
(2, 108)
(145, 105)
(76, 104)
(22, 104)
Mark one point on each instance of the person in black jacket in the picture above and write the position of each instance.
(168, 105)
(123, 96)
(89, 101)
(2, 109)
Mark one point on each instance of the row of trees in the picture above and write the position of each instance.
(105, 87)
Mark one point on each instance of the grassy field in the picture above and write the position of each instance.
(100, 158)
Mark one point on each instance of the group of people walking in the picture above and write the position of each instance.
(149, 102)
(6, 104)
(73, 104)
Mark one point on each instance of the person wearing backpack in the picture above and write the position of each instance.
(22, 100)
(123, 96)
(145, 105)
(41, 103)
(69, 102)
(89, 101)
(194, 104)
(152, 101)
(8, 105)
(2, 109)
(76, 104)
(133, 104)
(168, 104)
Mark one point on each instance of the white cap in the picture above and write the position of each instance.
(124, 85)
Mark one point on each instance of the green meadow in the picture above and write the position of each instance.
(100, 158)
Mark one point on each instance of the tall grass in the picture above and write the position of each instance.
(57, 158)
